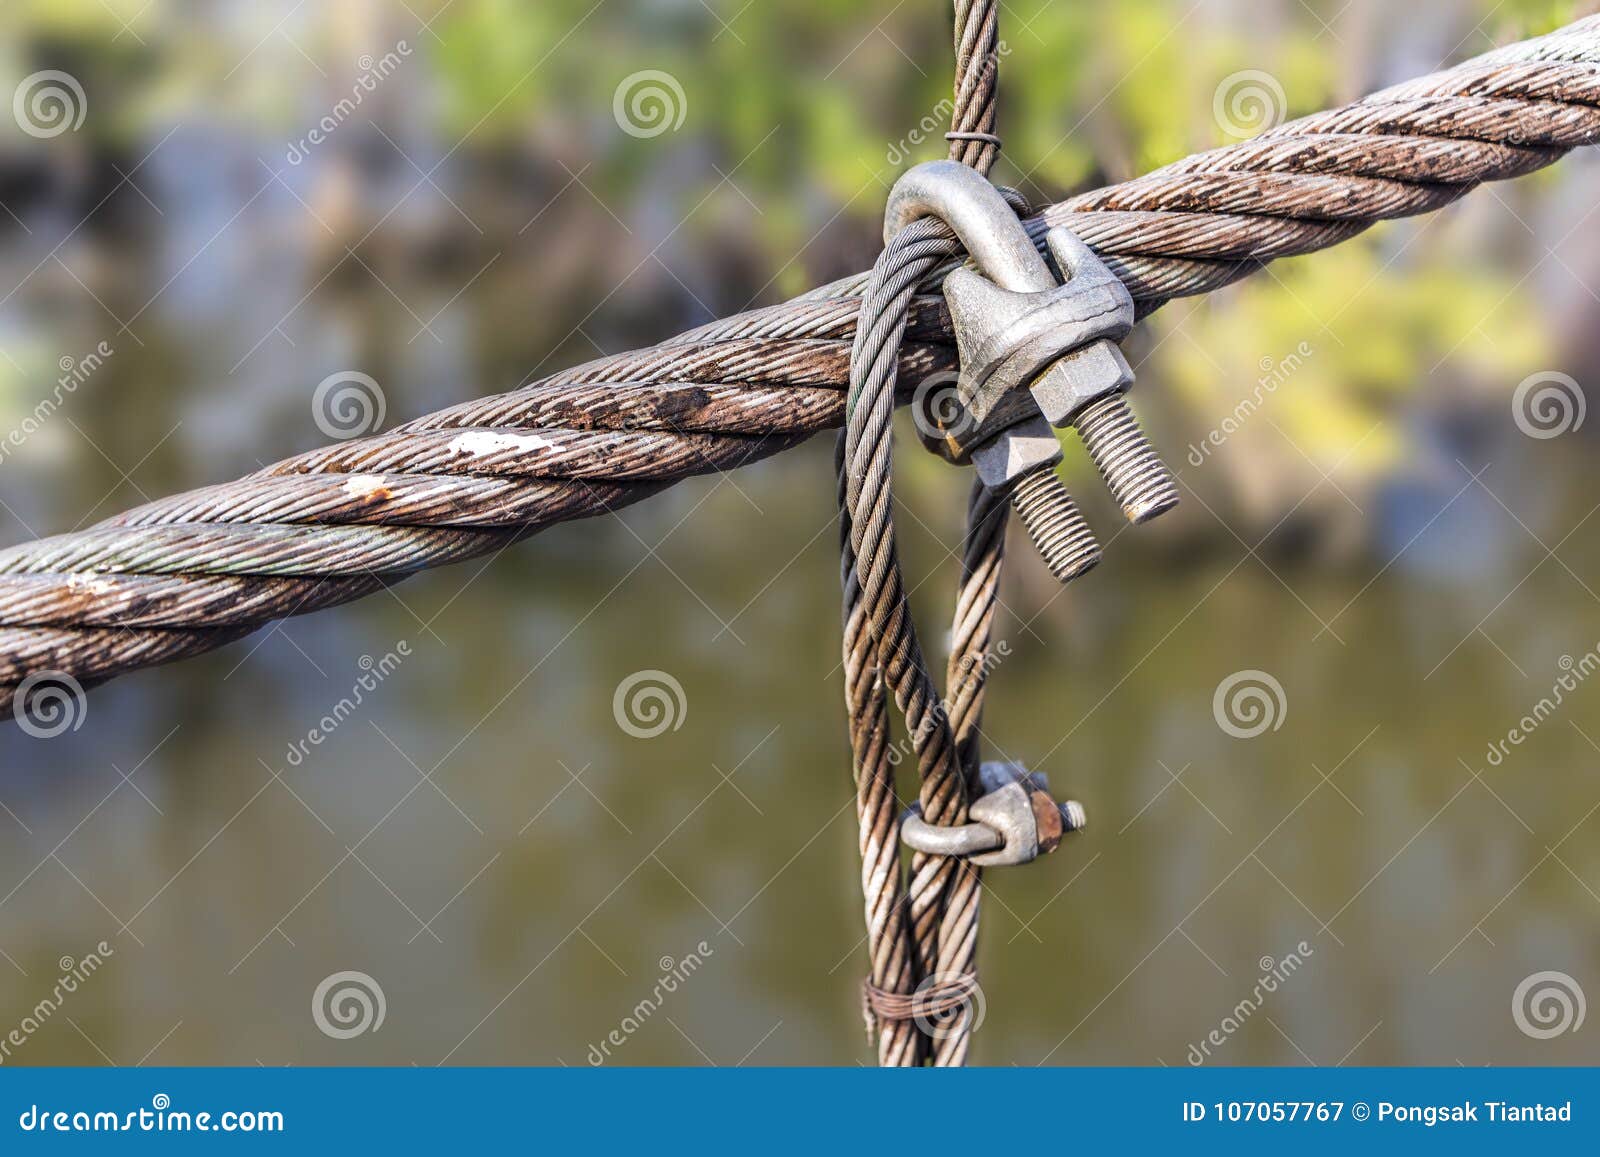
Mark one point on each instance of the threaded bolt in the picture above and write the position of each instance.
(1073, 817)
(1139, 480)
(1059, 532)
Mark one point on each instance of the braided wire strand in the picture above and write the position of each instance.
(973, 117)
(186, 574)
(977, 42)
(892, 968)
(868, 467)
(966, 682)
(944, 891)
(973, 143)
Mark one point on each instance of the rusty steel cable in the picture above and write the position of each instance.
(973, 121)
(944, 1006)
(939, 932)
(892, 970)
(185, 574)
(973, 116)
(943, 891)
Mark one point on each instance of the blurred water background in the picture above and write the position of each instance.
(514, 870)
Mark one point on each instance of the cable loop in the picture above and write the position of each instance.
(929, 928)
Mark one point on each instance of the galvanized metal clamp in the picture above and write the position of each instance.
(1014, 821)
(1035, 352)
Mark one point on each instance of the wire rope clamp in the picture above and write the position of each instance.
(1037, 350)
(1014, 821)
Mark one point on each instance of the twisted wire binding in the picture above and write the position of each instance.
(185, 574)
(892, 970)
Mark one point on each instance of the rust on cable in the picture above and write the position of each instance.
(192, 572)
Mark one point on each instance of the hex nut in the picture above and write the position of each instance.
(1079, 378)
(1049, 820)
(1016, 451)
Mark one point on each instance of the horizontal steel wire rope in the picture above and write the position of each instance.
(184, 574)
